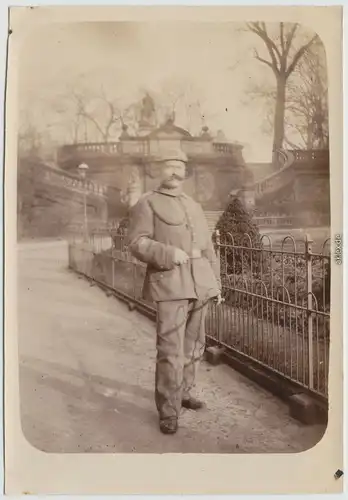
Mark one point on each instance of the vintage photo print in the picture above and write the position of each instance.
(173, 250)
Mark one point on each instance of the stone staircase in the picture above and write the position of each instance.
(212, 217)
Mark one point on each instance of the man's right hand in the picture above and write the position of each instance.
(180, 257)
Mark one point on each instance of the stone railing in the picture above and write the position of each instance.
(309, 219)
(54, 176)
(310, 155)
(197, 147)
(312, 159)
(89, 148)
(224, 148)
(274, 181)
(276, 221)
(141, 147)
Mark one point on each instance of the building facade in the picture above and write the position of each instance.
(128, 166)
(297, 195)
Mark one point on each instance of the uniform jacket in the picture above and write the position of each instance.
(161, 221)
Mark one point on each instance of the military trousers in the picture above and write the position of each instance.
(180, 348)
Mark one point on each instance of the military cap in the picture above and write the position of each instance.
(171, 155)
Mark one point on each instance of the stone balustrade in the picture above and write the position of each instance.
(274, 181)
(90, 148)
(141, 147)
(49, 200)
(311, 155)
(224, 148)
(312, 160)
(275, 221)
(57, 177)
(193, 148)
(309, 219)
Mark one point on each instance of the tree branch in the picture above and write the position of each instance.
(94, 121)
(298, 56)
(256, 55)
(82, 112)
(270, 45)
(299, 131)
(289, 39)
(282, 37)
(290, 143)
(270, 41)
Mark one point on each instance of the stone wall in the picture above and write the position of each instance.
(209, 182)
(216, 167)
(300, 192)
(50, 202)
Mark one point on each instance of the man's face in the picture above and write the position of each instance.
(173, 174)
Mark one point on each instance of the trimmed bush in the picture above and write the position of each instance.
(238, 230)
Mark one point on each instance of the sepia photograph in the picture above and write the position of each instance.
(174, 243)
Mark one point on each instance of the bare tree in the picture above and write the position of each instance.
(306, 105)
(307, 99)
(33, 140)
(29, 142)
(282, 59)
(110, 114)
(94, 115)
(179, 99)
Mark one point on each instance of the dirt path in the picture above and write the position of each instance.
(87, 373)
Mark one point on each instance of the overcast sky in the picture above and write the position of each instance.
(216, 60)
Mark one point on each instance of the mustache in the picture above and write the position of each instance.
(175, 177)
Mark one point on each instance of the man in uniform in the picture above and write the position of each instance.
(168, 232)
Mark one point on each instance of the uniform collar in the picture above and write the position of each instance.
(170, 192)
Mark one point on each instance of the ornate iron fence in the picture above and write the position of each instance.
(277, 306)
(277, 298)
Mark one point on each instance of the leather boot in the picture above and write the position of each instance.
(192, 403)
(168, 425)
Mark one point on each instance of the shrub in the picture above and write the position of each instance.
(236, 222)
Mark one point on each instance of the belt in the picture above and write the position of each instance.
(195, 253)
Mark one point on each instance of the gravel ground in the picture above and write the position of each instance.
(87, 374)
